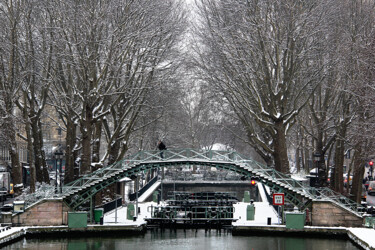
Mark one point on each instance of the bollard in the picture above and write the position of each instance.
(269, 221)
(155, 196)
(246, 197)
(98, 212)
(130, 211)
(250, 212)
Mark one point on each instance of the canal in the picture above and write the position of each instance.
(185, 240)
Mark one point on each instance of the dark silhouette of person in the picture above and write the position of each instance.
(161, 147)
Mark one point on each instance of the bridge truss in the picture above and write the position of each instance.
(299, 194)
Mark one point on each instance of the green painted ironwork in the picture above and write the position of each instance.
(295, 220)
(77, 219)
(300, 195)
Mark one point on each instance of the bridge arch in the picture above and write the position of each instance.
(300, 195)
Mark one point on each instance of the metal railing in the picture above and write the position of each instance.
(142, 190)
(229, 160)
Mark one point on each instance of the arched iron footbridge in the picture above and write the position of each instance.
(82, 190)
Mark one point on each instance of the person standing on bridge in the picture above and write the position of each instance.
(161, 147)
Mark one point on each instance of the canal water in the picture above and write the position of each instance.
(185, 240)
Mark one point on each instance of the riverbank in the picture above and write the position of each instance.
(362, 237)
(8, 235)
(116, 222)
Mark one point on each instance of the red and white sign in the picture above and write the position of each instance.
(278, 199)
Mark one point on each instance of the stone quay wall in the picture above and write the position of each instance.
(331, 215)
(44, 213)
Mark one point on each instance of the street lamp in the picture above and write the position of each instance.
(135, 178)
(317, 162)
(136, 196)
(59, 156)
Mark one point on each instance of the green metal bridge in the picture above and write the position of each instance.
(300, 195)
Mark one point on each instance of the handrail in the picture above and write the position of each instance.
(236, 161)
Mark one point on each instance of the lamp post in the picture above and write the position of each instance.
(56, 172)
(136, 196)
(320, 164)
(317, 162)
(59, 156)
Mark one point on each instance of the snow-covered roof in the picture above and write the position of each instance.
(124, 179)
(219, 146)
(314, 171)
(299, 178)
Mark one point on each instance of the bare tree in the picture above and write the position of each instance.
(257, 53)
(10, 82)
(354, 25)
(36, 80)
(109, 57)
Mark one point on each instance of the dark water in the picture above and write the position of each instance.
(184, 240)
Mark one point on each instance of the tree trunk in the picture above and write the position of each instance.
(69, 154)
(13, 64)
(306, 157)
(113, 152)
(42, 154)
(96, 142)
(319, 151)
(358, 172)
(280, 149)
(298, 162)
(339, 162)
(86, 131)
(30, 152)
(14, 156)
(110, 192)
(16, 165)
(36, 148)
(45, 168)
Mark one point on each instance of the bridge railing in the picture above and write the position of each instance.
(44, 191)
(150, 156)
(265, 171)
(321, 194)
(220, 157)
(178, 154)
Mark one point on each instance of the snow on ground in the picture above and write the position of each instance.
(6, 231)
(364, 234)
(119, 215)
(149, 191)
(9, 233)
(263, 211)
(262, 192)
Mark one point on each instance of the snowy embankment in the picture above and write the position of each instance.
(8, 234)
(364, 237)
(263, 211)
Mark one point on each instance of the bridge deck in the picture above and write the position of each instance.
(81, 190)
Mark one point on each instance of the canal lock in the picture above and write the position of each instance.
(194, 210)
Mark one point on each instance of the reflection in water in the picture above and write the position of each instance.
(186, 240)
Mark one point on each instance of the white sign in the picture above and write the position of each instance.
(278, 199)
